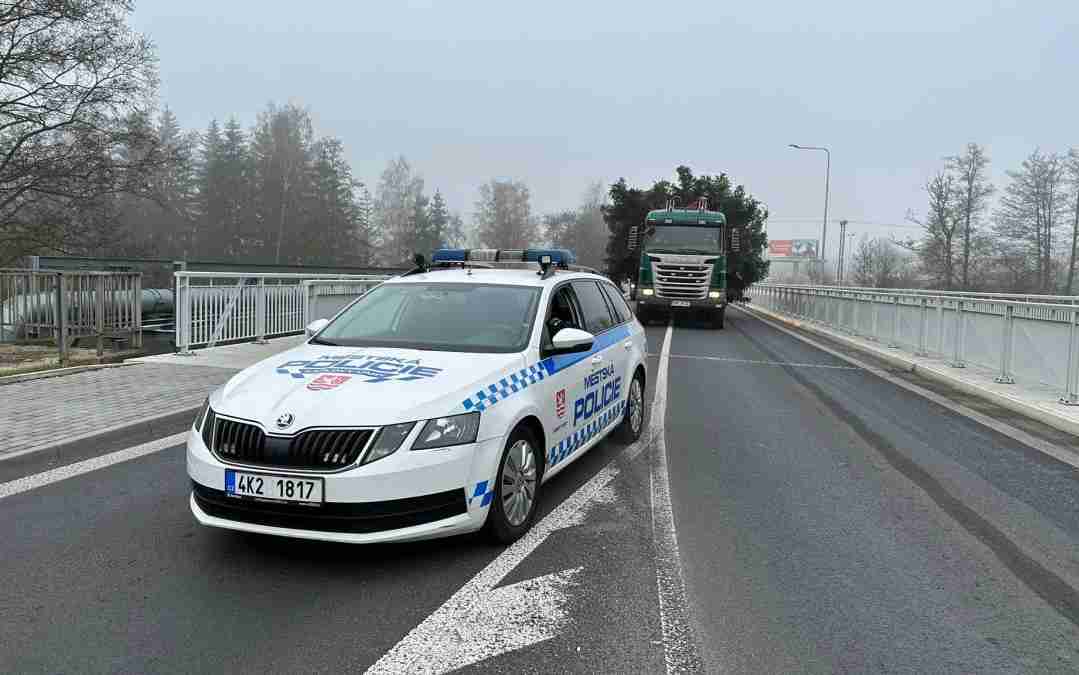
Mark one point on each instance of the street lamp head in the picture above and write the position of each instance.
(795, 146)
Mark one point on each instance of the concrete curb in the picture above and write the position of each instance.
(1015, 405)
(57, 372)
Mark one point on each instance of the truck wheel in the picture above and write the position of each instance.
(516, 490)
(717, 319)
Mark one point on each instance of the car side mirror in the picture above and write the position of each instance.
(569, 340)
(315, 326)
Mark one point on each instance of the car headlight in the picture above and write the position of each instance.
(713, 294)
(647, 291)
(202, 414)
(388, 440)
(446, 431)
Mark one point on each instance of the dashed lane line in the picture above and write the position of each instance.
(38, 480)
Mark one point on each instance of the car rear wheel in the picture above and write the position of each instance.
(516, 489)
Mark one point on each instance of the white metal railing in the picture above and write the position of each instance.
(1033, 340)
(62, 306)
(214, 307)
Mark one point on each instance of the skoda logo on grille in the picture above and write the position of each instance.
(285, 421)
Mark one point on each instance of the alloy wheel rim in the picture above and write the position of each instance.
(518, 483)
(636, 400)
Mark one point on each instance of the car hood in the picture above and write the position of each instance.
(322, 385)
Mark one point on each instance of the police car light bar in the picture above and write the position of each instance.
(558, 256)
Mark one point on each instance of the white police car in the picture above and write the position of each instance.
(436, 404)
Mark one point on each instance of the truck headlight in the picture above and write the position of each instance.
(446, 431)
(389, 439)
(647, 291)
(714, 295)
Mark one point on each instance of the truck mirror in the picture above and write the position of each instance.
(633, 239)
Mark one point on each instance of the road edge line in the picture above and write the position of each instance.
(39, 480)
(1045, 447)
(680, 647)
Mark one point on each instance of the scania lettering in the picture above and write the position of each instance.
(683, 264)
(436, 404)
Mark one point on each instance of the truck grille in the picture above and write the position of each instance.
(682, 281)
(319, 449)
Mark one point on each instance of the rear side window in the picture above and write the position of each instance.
(618, 303)
(596, 315)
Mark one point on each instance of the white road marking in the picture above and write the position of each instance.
(37, 480)
(478, 622)
(679, 643)
(752, 362)
(1045, 447)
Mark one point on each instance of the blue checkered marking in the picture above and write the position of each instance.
(570, 444)
(482, 492)
(506, 387)
(522, 379)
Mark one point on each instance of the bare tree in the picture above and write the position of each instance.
(71, 75)
(937, 248)
(504, 215)
(969, 173)
(1031, 209)
(1072, 169)
(877, 264)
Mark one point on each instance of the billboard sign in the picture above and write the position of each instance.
(793, 248)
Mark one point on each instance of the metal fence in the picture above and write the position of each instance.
(215, 307)
(60, 307)
(1033, 340)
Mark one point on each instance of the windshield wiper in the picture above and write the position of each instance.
(316, 341)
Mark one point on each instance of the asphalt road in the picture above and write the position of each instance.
(827, 521)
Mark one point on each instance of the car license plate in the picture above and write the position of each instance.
(269, 486)
(679, 303)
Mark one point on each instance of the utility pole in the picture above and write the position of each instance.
(840, 269)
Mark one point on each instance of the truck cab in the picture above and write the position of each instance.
(683, 264)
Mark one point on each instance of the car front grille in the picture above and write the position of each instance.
(681, 281)
(319, 449)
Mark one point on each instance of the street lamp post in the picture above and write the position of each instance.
(827, 181)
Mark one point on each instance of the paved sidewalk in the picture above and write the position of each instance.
(1031, 399)
(42, 413)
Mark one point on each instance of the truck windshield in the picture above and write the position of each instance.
(438, 317)
(682, 239)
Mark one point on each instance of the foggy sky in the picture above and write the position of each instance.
(559, 94)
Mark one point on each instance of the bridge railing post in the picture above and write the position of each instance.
(1006, 346)
(260, 311)
(958, 337)
(1071, 397)
(894, 342)
(923, 327)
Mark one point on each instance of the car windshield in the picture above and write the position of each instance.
(438, 317)
(686, 239)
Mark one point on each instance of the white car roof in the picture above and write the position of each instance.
(479, 275)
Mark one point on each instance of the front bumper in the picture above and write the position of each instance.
(407, 496)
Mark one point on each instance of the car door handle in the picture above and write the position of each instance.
(596, 360)
(628, 344)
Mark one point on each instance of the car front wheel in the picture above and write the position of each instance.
(516, 490)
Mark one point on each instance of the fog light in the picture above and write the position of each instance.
(647, 291)
(713, 294)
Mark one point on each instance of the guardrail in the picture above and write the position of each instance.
(64, 306)
(214, 307)
(1033, 341)
(1015, 297)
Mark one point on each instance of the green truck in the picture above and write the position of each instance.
(683, 263)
